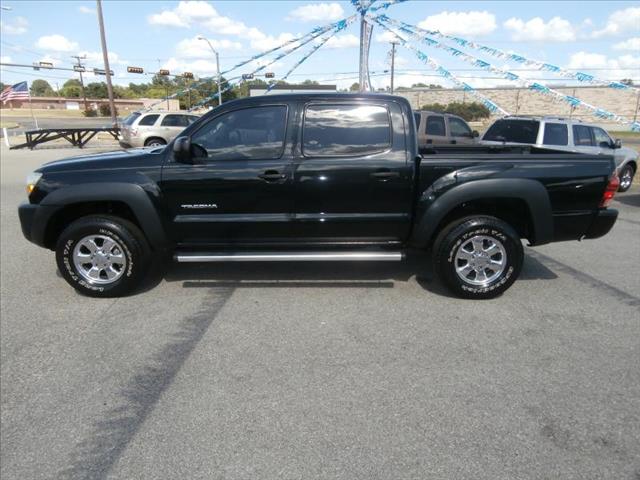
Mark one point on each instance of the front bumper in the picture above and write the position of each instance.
(34, 220)
(27, 213)
(602, 223)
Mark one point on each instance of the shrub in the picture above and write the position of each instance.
(105, 110)
(90, 113)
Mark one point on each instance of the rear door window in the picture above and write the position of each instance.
(513, 131)
(148, 120)
(435, 126)
(345, 130)
(582, 136)
(459, 128)
(175, 121)
(556, 134)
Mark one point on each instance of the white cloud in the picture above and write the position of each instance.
(613, 68)
(628, 44)
(386, 37)
(555, 30)
(56, 43)
(194, 48)
(260, 41)
(317, 12)
(621, 21)
(472, 23)
(86, 10)
(17, 27)
(343, 41)
(202, 14)
(5, 59)
(167, 19)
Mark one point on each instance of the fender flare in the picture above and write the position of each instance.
(532, 192)
(132, 195)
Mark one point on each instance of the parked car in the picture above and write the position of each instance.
(564, 134)
(313, 177)
(442, 128)
(153, 129)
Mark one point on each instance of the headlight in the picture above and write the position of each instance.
(32, 181)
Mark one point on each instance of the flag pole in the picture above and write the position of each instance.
(35, 120)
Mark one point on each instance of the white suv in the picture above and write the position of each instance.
(153, 129)
(564, 134)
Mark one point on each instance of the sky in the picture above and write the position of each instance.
(600, 37)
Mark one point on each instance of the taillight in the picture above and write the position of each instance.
(134, 132)
(610, 191)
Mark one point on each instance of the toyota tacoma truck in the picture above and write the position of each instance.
(313, 177)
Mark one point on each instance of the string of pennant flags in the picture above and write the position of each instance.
(531, 85)
(515, 57)
(406, 35)
(443, 72)
(301, 41)
(338, 26)
(314, 50)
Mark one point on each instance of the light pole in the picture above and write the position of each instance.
(201, 37)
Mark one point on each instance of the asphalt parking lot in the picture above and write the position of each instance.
(304, 371)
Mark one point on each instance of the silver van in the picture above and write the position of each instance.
(564, 134)
(153, 129)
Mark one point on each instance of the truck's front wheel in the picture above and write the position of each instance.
(102, 256)
(478, 257)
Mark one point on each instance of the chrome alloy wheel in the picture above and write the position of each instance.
(480, 260)
(99, 259)
(626, 178)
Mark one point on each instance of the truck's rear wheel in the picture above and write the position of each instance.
(102, 256)
(478, 257)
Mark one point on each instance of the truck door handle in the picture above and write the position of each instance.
(272, 176)
(385, 174)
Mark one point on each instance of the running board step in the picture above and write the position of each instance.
(352, 256)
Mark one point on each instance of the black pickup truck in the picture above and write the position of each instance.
(322, 177)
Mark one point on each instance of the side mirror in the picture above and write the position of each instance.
(182, 150)
(617, 143)
(475, 134)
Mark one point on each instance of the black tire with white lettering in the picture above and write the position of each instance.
(478, 257)
(102, 256)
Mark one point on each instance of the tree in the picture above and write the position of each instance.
(71, 89)
(309, 82)
(355, 87)
(627, 81)
(97, 90)
(41, 88)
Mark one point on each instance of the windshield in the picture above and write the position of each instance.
(513, 131)
(131, 118)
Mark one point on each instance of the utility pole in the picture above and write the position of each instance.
(80, 68)
(393, 62)
(107, 71)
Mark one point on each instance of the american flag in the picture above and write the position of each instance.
(19, 91)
